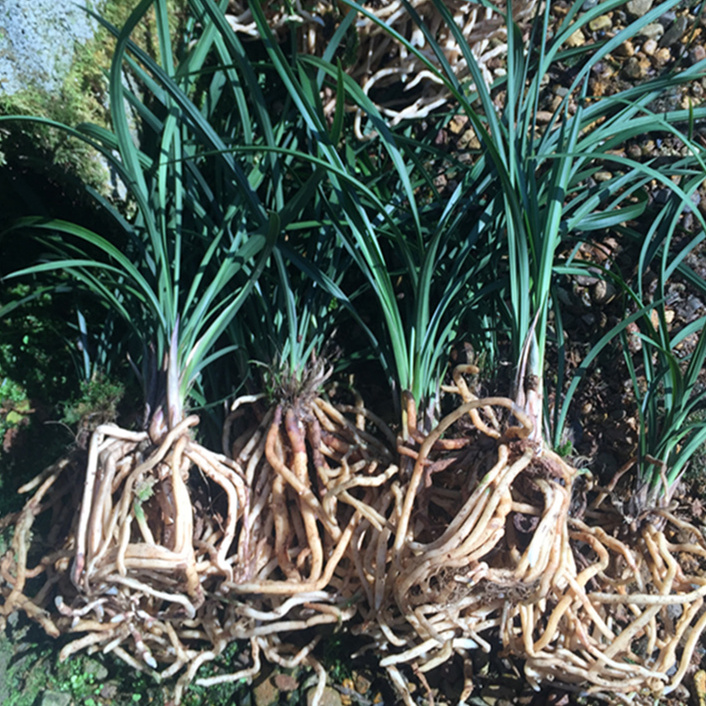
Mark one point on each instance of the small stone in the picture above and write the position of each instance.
(625, 49)
(55, 698)
(638, 8)
(600, 23)
(602, 176)
(468, 140)
(698, 53)
(602, 292)
(589, 5)
(458, 124)
(634, 151)
(266, 693)
(286, 682)
(96, 668)
(648, 148)
(362, 683)
(662, 56)
(330, 697)
(675, 31)
(109, 691)
(652, 31)
(576, 39)
(649, 47)
(635, 68)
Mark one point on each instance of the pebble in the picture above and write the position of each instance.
(362, 684)
(625, 49)
(600, 23)
(652, 31)
(544, 116)
(109, 691)
(266, 693)
(675, 31)
(468, 140)
(635, 68)
(98, 669)
(698, 53)
(589, 5)
(330, 697)
(700, 687)
(55, 698)
(662, 56)
(286, 682)
(638, 8)
(648, 148)
(603, 291)
(576, 39)
(458, 124)
(634, 151)
(649, 47)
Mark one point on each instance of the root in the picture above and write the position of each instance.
(489, 546)
(462, 537)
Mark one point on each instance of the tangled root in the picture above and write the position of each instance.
(307, 521)
(178, 551)
(482, 541)
(314, 474)
(631, 618)
(374, 58)
(146, 571)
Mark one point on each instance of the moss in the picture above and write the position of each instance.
(82, 97)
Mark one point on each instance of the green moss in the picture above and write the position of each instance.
(96, 404)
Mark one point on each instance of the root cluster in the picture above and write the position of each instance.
(377, 61)
(316, 518)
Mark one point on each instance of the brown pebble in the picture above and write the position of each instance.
(635, 68)
(362, 684)
(634, 151)
(458, 124)
(662, 56)
(266, 693)
(286, 682)
(330, 697)
(649, 47)
(625, 49)
(543, 116)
